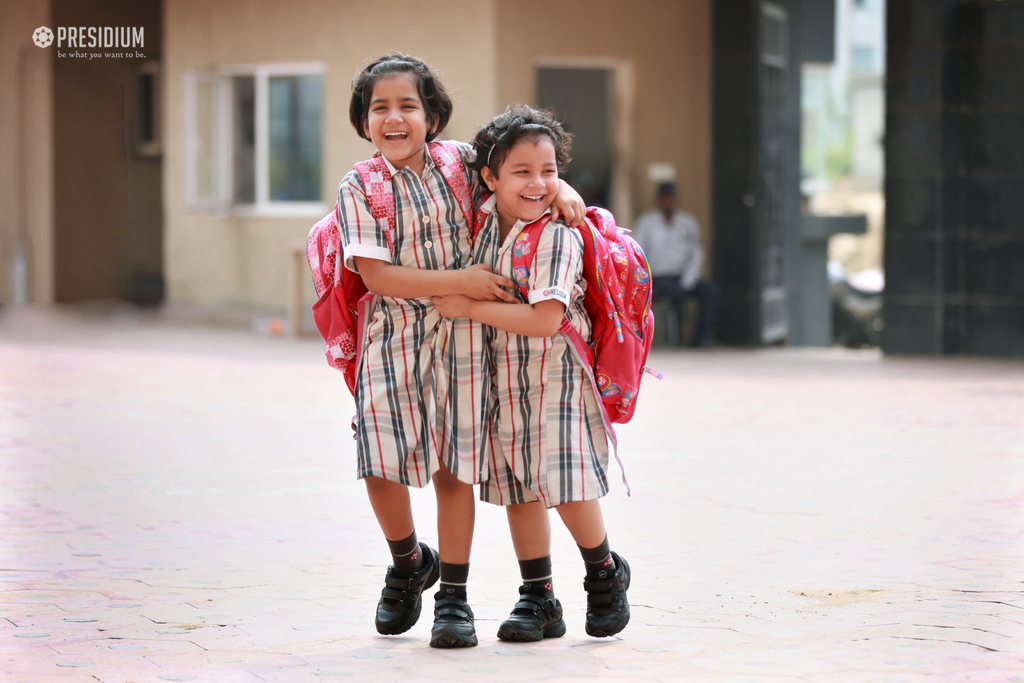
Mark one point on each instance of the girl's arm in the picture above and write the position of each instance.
(366, 250)
(401, 282)
(568, 205)
(541, 319)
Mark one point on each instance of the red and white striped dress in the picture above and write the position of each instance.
(548, 439)
(421, 391)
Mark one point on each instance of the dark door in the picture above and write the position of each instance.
(581, 98)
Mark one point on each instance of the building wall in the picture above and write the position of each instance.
(26, 155)
(666, 45)
(234, 259)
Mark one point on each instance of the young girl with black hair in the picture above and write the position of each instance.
(548, 438)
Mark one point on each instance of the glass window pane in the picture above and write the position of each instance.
(207, 177)
(863, 59)
(295, 134)
(243, 139)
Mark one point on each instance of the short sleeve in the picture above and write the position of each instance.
(558, 264)
(361, 235)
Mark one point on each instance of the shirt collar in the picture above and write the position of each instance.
(522, 224)
(490, 204)
(428, 163)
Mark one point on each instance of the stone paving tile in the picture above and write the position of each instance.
(796, 515)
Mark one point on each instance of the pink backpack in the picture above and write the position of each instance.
(340, 310)
(617, 301)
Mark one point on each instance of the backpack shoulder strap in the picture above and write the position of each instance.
(479, 217)
(376, 179)
(448, 159)
(524, 253)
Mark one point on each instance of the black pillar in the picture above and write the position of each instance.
(954, 248)
(756, 166)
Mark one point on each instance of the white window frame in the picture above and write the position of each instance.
(224, 202)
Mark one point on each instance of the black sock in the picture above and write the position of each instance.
(454, 578)
(598, 561)
(406, 555)
(538, 572)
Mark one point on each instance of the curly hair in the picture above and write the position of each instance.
(493, 141)
(437, 103)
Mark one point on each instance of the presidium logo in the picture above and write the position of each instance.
(42, 37)
(106, 37)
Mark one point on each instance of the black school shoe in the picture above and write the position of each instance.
(534, 617)
(400, 601)
(453, 620)
(607, 606)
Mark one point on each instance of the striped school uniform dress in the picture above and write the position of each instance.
(421, 391)
(548, 439)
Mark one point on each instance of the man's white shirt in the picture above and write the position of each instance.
(672, 248)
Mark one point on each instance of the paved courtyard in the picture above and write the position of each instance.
(179, 503)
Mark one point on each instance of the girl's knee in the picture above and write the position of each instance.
(380, 486)
(375, 482)
(524, 510)
(447, 483)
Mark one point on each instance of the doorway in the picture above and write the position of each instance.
(581, 99)
(593, 99)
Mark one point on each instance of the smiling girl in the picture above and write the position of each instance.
(548, 438)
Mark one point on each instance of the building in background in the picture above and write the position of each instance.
(188, 171)
(251, 103)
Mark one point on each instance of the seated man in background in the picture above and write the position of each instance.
(671, 240)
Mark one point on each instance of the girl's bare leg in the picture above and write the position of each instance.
(531, 530)
(391, 506)
(584, 521)
(456, 516)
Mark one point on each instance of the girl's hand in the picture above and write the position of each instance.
(568, 205)
(452, 306)
(478, 282)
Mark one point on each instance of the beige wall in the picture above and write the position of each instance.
(26, 149)
(667, 44)
(213, 259)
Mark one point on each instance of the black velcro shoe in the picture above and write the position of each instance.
(534, 617)
(453, 620)
(400, 601)
(607, 606)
